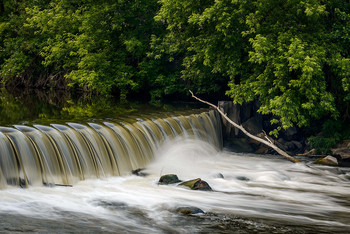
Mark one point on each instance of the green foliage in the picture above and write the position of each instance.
(293, 56)
(204, 36)
(322, 144)
(332, 133)
(331, 127)
(100, 45)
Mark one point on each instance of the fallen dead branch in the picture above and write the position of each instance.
(240, 127)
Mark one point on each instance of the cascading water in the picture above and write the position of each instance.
(252, 193)
(65, 154)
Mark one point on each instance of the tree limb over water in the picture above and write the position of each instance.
(240, 127)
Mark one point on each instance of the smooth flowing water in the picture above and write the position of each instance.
(257, 194)
(91, 148)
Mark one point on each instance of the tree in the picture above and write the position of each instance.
(293, 56)
(199, 35)
(100, 45)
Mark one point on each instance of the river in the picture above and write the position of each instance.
(252, 193)
(257, 194)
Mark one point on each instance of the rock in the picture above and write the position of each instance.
(219, 175)
(289, 146)
(247, 111)
(262, 150)
(197, 184)
(280, 145)
(298, 145)
(290, 133)
(240, 145)
(138, 172)
(253, 126)
(190, 183)
(281, 140)
(343, 153)
(202, 185)
(233, 112)
(169, 179)
(342, 150)
(189, 210)
(22, 183)
(328, 160)
(243, 178)
(310, 153)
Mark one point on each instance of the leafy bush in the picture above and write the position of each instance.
(332, 133)
(331, 127)
(322, 144)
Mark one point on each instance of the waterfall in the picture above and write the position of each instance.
(65, 154)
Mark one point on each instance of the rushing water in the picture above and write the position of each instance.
(64, 154)
(257, 195)
(252, 193)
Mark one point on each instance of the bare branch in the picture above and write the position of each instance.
(267, 138)
(267, 143)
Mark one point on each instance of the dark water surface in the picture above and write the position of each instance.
(49, 106)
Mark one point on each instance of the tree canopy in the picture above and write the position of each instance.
(292, 56)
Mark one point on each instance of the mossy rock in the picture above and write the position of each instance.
(169, 179)
(328, 161)
(197, 184)
(189, 210)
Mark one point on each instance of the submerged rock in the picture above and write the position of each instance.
(197, 184)
(329, 161)
(138, 172)
(219, 175)
(22, 183)
(169, 179)
(243, 178)
(189, 210)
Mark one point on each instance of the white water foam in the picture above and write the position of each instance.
(253, 186)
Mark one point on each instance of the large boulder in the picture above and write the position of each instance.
(328, 161)
(169, 179)
(197, 184)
